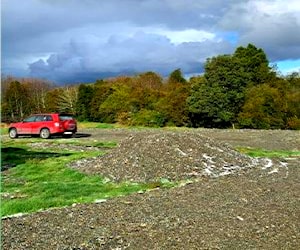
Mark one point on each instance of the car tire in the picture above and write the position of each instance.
(45, 133)
(13, 133)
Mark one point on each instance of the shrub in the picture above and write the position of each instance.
(293, 123)
(149, 118)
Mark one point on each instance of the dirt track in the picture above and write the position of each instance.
(250, 210)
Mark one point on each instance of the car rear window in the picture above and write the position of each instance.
(65, 117)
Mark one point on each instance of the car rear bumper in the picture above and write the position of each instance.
(69, 132)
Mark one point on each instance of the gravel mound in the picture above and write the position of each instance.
(145, 157)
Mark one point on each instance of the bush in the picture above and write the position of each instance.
(293, 123)
(149, 118)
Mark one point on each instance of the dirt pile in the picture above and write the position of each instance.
(144, 157)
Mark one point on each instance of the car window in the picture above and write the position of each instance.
(48, 118)
(65, 117)
(39, 118)
(30, 119)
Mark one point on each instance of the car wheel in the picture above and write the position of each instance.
(45, 133)
(13, 133)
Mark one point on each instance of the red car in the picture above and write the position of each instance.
(44, 125)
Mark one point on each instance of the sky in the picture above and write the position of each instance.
(71, 41)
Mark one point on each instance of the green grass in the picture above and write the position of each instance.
(41, 180)
(3, 131)
(84, 124)
(98, 125)
(257, 152)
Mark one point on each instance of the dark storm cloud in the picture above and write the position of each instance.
(139, 53)
(78, 40)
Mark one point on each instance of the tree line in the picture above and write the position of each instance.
(237, 90)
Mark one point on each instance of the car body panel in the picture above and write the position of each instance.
(56, 123)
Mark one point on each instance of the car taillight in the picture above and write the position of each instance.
(56, 124)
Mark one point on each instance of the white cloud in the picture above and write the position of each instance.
(278, 7)
(272, 25)
(187, 35)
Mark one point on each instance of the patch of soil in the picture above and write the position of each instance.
(62, 146)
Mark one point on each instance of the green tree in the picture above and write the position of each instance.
(173, 106)
(207, 106)
(16, 101)
(83, 103)
(52, 99)
(264, 108)
(146, 89)
(118, 104)
(172, 102)
(22, 96)
(218, 101)
(253, 65)
(293, 101)
(131, 100)
(176, 77)
(102, 90)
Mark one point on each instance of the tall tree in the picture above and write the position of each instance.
(38, 90)
(293, 101)
(253, 65)
(176, 77)
(118, 104)
(219, 101)
(17, 102)
(102, 90)
(83, 103)
(68, 97)
(146, 89)
(172, 104)
(52, 100)
(264, 108)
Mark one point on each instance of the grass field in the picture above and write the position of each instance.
(259, 152)
(40, 179)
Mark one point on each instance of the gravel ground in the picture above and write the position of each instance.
(175, 156)
(249, 208)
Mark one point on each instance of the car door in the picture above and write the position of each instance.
(37, 124)
(27, 124)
